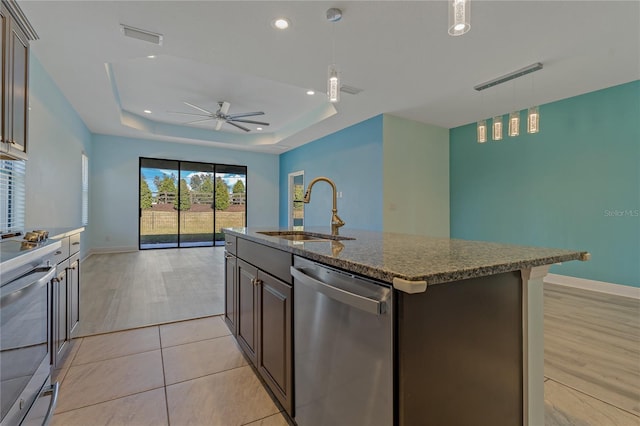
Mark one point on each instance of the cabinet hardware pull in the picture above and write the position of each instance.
(258, 281)
(58, 252)
(76, 243)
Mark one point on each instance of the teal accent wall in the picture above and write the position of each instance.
(352, 158)
(57, 138)
(574, 185)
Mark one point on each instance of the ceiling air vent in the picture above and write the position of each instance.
(350, 89)
(143, 35)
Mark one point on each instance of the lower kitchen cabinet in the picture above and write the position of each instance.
(65, 299)
(231, 292)
(248, 309)
(60, 336)
(274, 337)
(73, 281)
(260, 305)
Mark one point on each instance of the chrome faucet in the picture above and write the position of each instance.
(336, 222)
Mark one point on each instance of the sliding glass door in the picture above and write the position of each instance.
(186, 204)
(231, 197)
(158, 202)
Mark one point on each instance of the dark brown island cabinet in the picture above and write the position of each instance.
(258, 311)
(462, 322)
(16, 33)
(65, 296)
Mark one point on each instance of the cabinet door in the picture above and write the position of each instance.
(247, 315)
(274, 347)
(73, 280)
(230, 292)
(18, 87)
(60, 336)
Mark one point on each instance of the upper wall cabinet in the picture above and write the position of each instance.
(16, 34)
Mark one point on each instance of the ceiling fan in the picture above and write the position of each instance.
(222, 116)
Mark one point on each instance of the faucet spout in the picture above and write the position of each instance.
(336, 222)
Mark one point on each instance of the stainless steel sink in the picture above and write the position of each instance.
(304, 236)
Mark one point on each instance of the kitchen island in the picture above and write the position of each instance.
(467, 318)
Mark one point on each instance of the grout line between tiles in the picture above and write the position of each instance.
(207, 375)
(116, 357)
(107, 400)
(164, 379)
(195, 341)
(594, 397)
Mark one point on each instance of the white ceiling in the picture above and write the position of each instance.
(397, 52)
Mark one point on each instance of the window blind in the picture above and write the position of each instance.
(12, 195)
(85, 189)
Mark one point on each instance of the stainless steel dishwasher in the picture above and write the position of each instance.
(343, 329)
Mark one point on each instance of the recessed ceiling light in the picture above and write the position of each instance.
(151, 56)
(311, 92)
(280, 23)
(147, 111)
(258, 128)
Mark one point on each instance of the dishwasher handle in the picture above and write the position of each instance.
(372, 306)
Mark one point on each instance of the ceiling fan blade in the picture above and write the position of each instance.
(245, 114)
(219, 124)
(198, 108)
(224, 107)
(188, 113)
(239, 126)
(198, 121)
(262, 123)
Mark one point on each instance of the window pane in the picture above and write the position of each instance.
(12, 195)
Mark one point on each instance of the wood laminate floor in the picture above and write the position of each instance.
(592, 345)
(128, 290)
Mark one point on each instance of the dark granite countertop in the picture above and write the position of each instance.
(385, 256)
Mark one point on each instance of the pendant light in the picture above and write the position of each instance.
(533, 114)
(514, 118)
(496, 128)
(333, 77)
(482, 131)
(533, 120)
(459, 17)
(481, 127)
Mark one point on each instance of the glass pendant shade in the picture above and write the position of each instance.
(459, 14)
(482, 131)
(514, 123)
(333, 84)
(497, 128)
(533, 120)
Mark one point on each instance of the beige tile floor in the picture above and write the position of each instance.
(184, 373)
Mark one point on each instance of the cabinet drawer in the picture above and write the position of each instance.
(274, 261)
(230, 243)
(74, 243)
(62, 253)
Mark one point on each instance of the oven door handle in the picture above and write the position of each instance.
(53, 390)
(45, 274)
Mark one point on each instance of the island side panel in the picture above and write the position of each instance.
(460, 353)
(533, 344)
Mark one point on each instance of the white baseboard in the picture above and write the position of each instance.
(105, 250)
(600, 286)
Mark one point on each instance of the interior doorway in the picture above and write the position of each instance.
(295, 200)
(187, 204)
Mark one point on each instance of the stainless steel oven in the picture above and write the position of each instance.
(25, 333)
